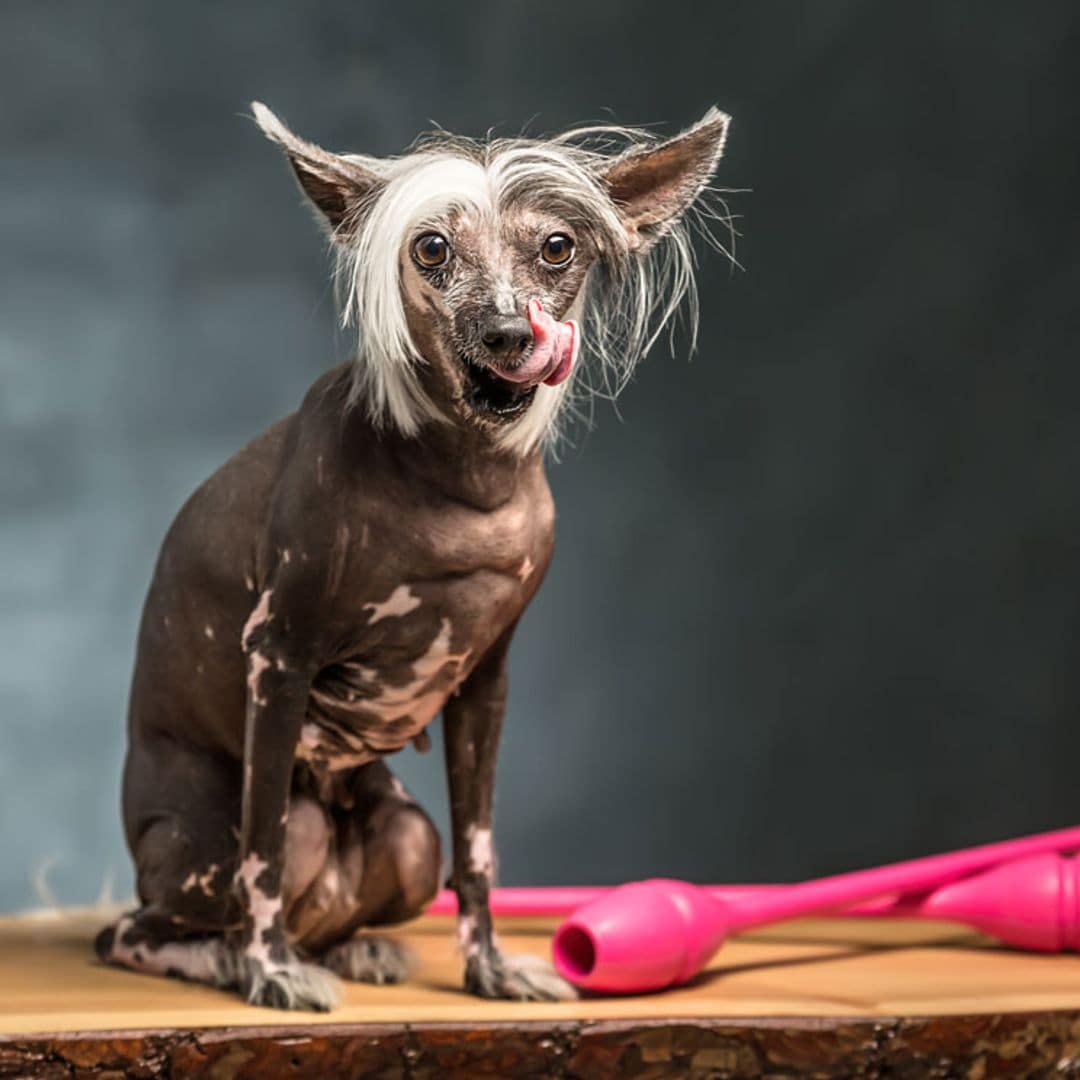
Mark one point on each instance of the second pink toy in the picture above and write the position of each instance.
(652, 934)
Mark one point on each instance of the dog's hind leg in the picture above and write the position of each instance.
(172, 935)
(182, 810)
(180, 928)
(185, 858)
(383, 868)
(140, 941)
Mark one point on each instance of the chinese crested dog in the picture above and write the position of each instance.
(359, 568)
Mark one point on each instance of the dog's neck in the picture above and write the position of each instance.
(465, 466)
(449, 462)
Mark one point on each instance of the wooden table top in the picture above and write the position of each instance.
(811, 976)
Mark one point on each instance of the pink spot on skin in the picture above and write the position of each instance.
(466, 934)
(400, 602)
(262, 908)
(525, 570)
(258, 617)
(257, 664)
(435, 675)
(481, 852)
(203, 881)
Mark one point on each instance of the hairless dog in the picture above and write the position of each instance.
(360, 567)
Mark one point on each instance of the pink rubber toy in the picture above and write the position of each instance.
(1029, 903)
(652, 934)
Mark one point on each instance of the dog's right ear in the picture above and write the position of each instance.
(338, 186)
(654, 185)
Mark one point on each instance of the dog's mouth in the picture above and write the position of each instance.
(491, 396)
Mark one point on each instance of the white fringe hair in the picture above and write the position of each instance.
(625, 303)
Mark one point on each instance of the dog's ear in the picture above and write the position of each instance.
(653, 186)
(336, 185)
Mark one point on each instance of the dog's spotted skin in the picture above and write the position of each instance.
(327, 593)
(339, 669)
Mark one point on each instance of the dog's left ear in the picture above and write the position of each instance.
(653, 186)
(338, 186)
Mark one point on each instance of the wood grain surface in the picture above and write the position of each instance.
(830, 998)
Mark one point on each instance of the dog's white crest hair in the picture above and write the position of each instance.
(626, 302)
(415, 188)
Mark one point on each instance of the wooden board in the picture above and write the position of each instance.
(815, 991)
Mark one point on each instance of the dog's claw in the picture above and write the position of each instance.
(292, 986)
(370, 959)
(517, 978)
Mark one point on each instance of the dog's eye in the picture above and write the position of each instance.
(557, 249)
(431, 251)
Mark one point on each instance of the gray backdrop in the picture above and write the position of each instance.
(815, 597)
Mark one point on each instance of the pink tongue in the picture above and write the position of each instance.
(561, 337)
(555, 348)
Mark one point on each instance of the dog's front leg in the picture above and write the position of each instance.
(473, 722)
(268, 971)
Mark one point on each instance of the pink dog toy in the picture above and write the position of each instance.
(1030, 903)
(652, 934)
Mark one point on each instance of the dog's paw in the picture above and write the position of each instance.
(518, 978)
(293, 985)
(370, 959)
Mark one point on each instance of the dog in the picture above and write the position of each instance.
(360, 567)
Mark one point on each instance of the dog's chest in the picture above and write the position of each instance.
(448, 593)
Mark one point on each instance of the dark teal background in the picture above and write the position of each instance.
(815, 601)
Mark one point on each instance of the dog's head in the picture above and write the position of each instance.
(461, 263)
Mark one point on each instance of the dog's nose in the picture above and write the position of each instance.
(506, 337)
